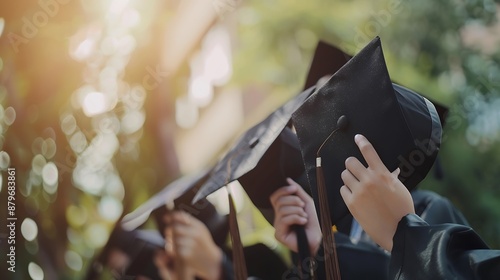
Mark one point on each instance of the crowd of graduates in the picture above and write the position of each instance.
(335, 171)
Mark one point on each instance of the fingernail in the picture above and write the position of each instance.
(358, 137)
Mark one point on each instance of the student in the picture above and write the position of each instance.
(384, 208)
(189, 241)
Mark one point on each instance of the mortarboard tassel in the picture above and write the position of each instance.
(331, 259)
(239, 265)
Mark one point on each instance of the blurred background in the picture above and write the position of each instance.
(103, 103)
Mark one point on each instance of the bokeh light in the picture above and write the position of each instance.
(68, 124)
(50, 176)
(200, 91)
(74, 236)
(2, 25)
(132, 121)
(37, 164)
(96, 235)
(9, 116)
(110, 208)
(94, 103)
(217, 57)
(36, 146)
(35, 271)
(73, 260)
(76, 216)
(29, 229)
(78, 142)
(4, 160)
(49, 148)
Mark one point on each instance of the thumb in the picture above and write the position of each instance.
(396, 172)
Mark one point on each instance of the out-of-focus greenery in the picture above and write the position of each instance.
(273, 41)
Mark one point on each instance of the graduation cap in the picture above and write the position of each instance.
(244, 162)
(360, 98)
(178, 196)
(442, 111)
(250, 148)
(327, 60)
(269, 152)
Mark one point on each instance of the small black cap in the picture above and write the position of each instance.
(402, 125)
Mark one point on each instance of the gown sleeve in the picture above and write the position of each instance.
(444, 251)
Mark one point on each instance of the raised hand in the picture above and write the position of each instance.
(193, 244)
(375, 196)
(293, 206)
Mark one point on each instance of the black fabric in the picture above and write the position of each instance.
(360, 260)
(146, 245)
(365, 259)
(139, 246)
(401, 124)
(445, 251)
(435, 209)
(263, 263)
(281, 160)
(327, 60)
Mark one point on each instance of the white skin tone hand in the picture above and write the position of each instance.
(194, 244)
(375, 197)
(293, 206)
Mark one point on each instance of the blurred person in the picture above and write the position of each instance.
(189, 243)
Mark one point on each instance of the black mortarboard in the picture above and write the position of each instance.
(263, 171)
(180, 193)
(327, 60)
(283, 159)
(244, 157)
(269, 152)
(360, 98)
(402, 125)
(250, 148)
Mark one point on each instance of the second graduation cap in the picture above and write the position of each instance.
(360, 98)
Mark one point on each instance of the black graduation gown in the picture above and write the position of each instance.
(444, 251)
